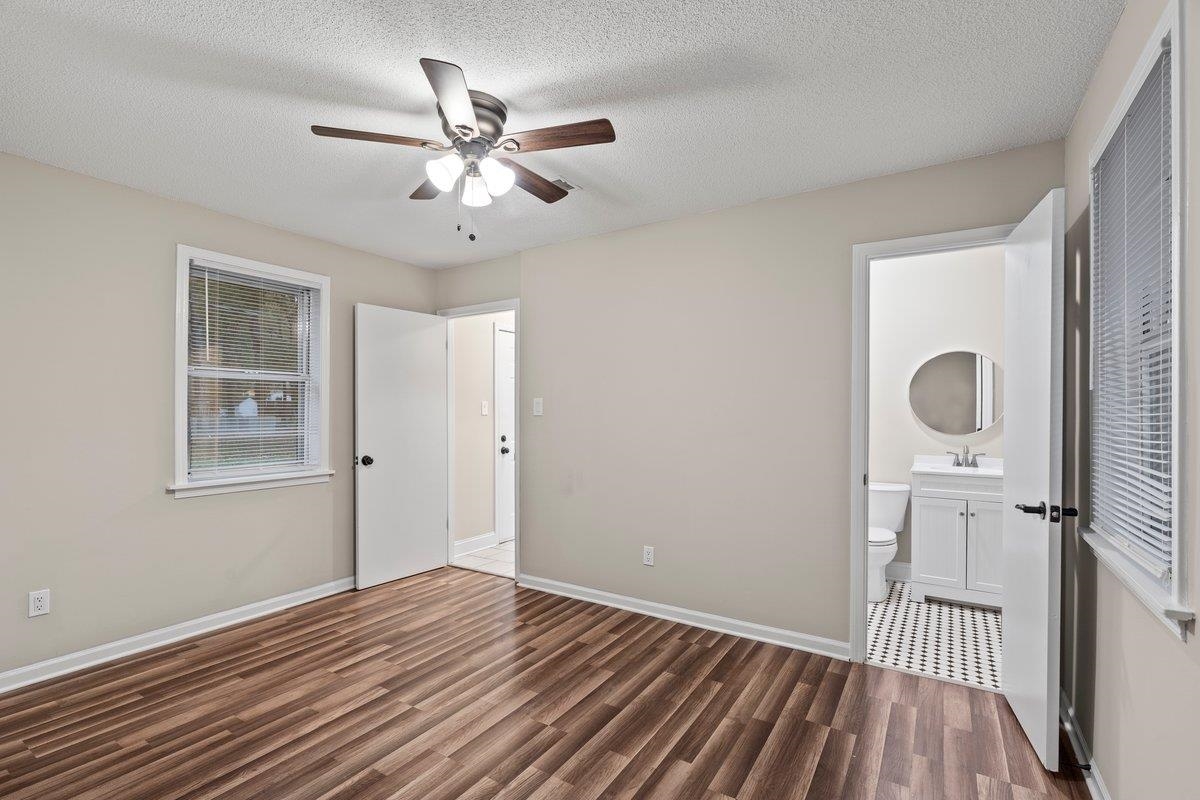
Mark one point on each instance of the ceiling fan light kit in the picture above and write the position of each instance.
(474, 123)
(444, 171)
(475, 193)
(499, 178)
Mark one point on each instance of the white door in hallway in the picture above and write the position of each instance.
(505, 372)
(1033, 399)
(400, 442)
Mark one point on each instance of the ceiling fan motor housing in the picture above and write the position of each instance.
(490, 115)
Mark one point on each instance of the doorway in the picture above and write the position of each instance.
(935, 463)
(482, 411)
(1023, 527)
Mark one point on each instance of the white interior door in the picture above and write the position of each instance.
(505, 371)
(1033, 309)
(400, 440)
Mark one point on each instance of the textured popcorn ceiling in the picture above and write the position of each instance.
(715, 102)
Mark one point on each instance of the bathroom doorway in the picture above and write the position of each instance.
(482, 529)
(931, 430)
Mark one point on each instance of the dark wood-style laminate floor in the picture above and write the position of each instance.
(457, 684)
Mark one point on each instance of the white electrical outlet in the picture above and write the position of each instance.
(39, 602)
(537, 406)
(484, 408)
(648, 555)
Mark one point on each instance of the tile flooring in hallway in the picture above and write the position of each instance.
(499, 560)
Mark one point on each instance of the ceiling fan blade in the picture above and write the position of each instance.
(576, 134)
(450, 86)
(533, 183)
(426, 191)
(367, 136)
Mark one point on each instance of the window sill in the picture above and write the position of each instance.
(1153, 596)
(248, 483)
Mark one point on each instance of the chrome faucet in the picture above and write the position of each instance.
(966, 458)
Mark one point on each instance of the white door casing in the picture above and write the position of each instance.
(400, 422)
(1033, 342)
(505, 400)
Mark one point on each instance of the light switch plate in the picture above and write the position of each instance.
(537, 406)
(483, 408)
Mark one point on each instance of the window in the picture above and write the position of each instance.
(251, 375)
(1136, 228)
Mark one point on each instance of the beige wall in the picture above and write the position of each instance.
(87, 336)
(697, 384)
(1134, 685)
(922, 306)
(498, 279)
(474, 453)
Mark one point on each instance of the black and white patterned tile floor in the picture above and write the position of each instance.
(945, 640)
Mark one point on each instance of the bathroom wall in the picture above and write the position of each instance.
(922, 306)
(474, 435)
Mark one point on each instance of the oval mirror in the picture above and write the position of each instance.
(957, 393)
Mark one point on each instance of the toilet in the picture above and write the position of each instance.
(886, 504)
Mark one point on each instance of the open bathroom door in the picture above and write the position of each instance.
(1033, 399)
(400, 444)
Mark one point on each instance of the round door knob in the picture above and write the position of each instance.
(367, 461)
(504, 451)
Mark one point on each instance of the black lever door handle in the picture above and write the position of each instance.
(366, 461)
(1039, 509)
(504, 451)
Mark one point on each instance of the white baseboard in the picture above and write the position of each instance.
(100, 654)
(898, 571)
(464, 546)
(712, 622)
(1083, 753)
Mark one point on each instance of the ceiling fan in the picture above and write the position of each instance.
(474, 122)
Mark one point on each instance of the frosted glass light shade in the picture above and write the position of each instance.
(475, 193)
(444, 171)
(498, 178)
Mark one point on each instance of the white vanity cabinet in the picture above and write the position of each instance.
(957, 532)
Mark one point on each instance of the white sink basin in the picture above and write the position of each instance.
(944, 465)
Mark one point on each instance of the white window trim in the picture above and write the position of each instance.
(1169, 604)
(183, 486)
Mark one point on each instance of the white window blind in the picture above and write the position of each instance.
(1132, 325)
(253, 389)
